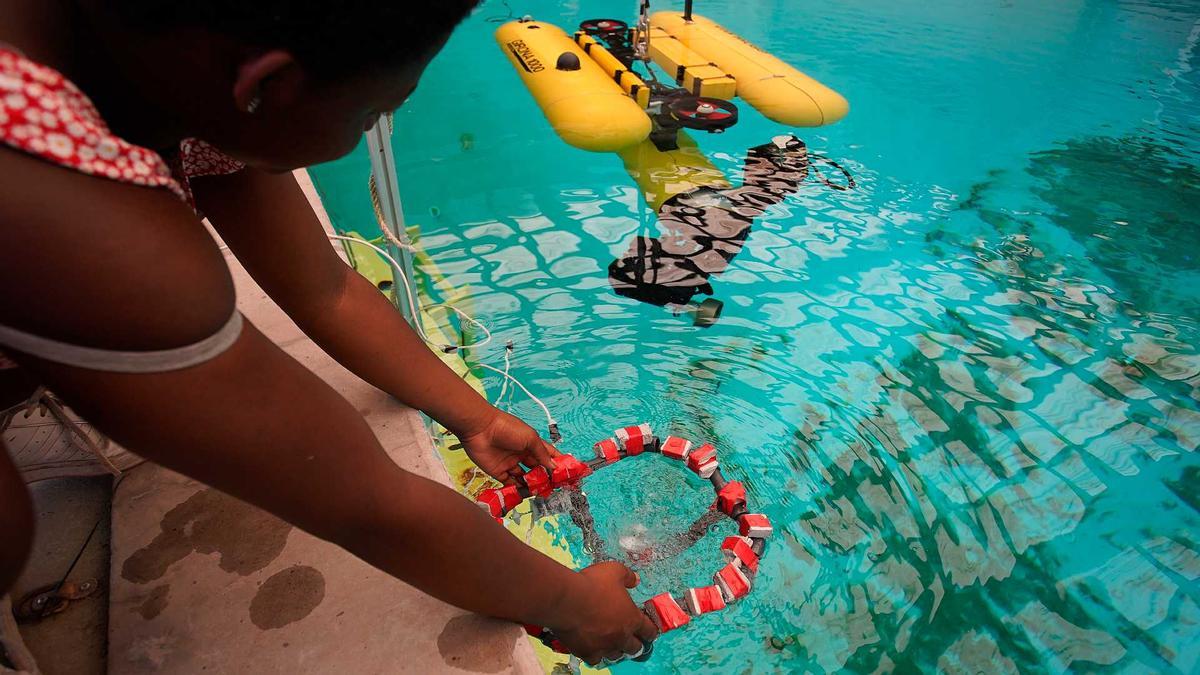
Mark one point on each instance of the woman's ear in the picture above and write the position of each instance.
(272, 79)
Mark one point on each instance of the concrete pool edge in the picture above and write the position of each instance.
(463, 474)
(432, 286)
(189, 610)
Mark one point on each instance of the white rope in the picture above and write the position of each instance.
(395, 241)
(641, 47)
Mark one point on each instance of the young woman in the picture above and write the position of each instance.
(114, 296)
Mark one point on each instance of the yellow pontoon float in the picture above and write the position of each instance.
(588, 87)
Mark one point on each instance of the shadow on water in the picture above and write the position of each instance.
(958, 441)
(971, 414)
(1129, 203)
(986, 513)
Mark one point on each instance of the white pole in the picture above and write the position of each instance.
(383, 167)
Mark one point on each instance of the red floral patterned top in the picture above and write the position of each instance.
(43, 114)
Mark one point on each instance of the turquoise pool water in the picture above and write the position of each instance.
(967, 392)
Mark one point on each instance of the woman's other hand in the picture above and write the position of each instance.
(601, 620)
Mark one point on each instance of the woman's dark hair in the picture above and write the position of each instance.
(329, 37)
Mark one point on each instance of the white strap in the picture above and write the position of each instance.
(124, 362)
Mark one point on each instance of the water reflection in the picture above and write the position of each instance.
(960, 440)
(967, 392)
(703, 229)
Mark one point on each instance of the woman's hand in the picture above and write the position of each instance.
(602, 621)
(504, 443)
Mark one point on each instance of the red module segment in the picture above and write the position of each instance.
(755, 526)
(740, 550)
(568, 469)
(703, 460)
(734, 583)
(676, 447)
(489, 501)
(497, 502)
(665, 612)
(607, 450)
(634, 440)
(704, 600)
(510, 495)
(730, 497)
(538, 482)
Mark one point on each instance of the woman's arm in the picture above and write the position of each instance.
(256, 424)
(270, 226)
(135, 271)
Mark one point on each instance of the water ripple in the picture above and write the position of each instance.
(967, 392)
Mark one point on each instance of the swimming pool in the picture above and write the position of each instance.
(967, 392)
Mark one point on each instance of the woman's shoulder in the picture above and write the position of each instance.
(103, 263)
(44, 115)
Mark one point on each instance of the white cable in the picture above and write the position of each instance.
(507, 369)
(394, 240)
(487, 334)
(412, 304)
(549, 418)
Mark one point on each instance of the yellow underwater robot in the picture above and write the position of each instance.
(587, 86)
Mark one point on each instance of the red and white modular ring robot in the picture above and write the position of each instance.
(741, 553)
